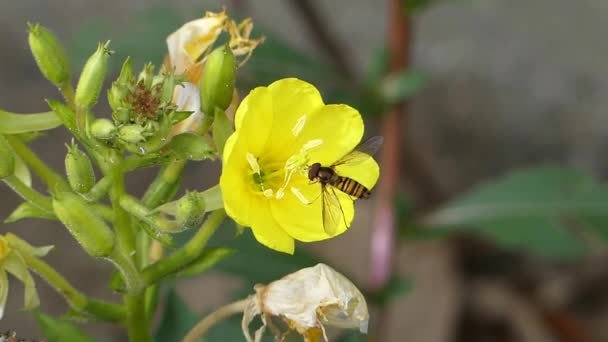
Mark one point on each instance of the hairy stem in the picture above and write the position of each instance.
(102, 310)
(185, 255)
(52, 179)
(32, 196)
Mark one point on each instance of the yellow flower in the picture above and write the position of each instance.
(280, 131)
(12, 250)
(307, 300)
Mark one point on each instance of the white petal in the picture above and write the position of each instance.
(3, 291)
(187, 98)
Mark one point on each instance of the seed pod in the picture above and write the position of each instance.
(91, 79)
(49, 55)
(217, 83)
(7, 158)
(88, 229)
(79, 170)
(190, 210)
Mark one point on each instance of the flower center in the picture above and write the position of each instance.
(271, 179)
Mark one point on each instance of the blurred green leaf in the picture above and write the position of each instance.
(176, 319)
(57, 330)
(402, 85)
(411, 6)
(533, 210)
(395, 288)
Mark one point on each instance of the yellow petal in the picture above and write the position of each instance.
(254, 120)
(305, 222)
(340, 127)
(270, 234)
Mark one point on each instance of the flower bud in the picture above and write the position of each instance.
(79, 170)
(91, 79)
(146, 76)
(7, 158)
(190, 210)
(88, 229)
(131, 133)
(217, 83)
(103, 129)
(49, 55)
(120, 87)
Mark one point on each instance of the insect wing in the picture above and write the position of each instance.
(362, 152)
(332, 210)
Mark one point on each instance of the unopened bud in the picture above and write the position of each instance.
(7, 158)
(120, 87)
(217, 83)
(79, 170)
(49, 55)
(88, 229)
(103, 129)
(131, 133)
(91, 79)
(190, 210)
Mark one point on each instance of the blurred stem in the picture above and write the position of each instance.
(32, 196)
(185, 255)
(52, 179)
(137, 324)
(384, 217)
(319, 28)
(79, 302)
(213, 318)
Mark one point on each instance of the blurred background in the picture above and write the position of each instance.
(502, 213)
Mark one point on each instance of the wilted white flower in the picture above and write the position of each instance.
(307, 301)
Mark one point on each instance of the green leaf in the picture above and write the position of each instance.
(27, 210)
(530, 210)
(22, 171)
(222, 129)
(176, 320)
(190, 146)
(56, 330)
(209, 258)
(12, 123)
(400, 86)
(411, 6)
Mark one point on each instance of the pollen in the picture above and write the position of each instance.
(297, 128)
(268, 193)
(253, 163)
(312, 144)
(280, 193)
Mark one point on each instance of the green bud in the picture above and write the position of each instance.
(79, 170)
(91, 79)
(49, 55)
(120, 87)
(190, 210)
(131, 133)
(91, 232)
(7, 158)
(103, 129)
(146, 76)
(217, 83)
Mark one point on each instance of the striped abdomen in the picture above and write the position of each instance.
(349, 186)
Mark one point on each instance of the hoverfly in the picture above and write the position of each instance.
(330, 180)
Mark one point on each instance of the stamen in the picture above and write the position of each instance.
(297, 128)
(253, 163)
(268, 193)
(280, 193)
(299, 195)
(312, 144)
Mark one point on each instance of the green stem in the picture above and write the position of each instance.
(32, 196)
(163, 186)
(122, 222)
(185, 255)
(99, 190)
(137, 322)
(52, 179)
(129, 272)
(79, 302)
